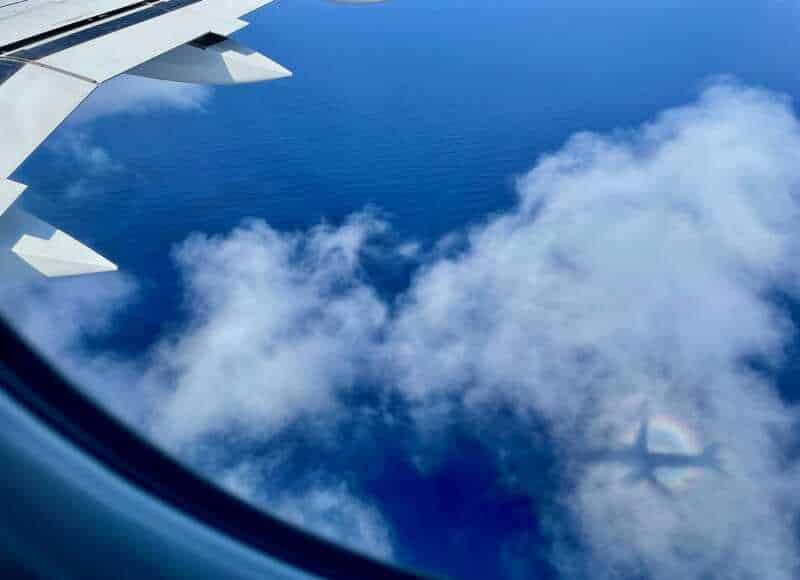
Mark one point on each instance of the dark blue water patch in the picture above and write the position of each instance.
(782, 372)
(458, 514)
(477, 499)
(457, 520)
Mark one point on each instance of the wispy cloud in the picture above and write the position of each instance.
(331, 510)
(637, 266)
(127, 94)
(123, 95)
(95, 162)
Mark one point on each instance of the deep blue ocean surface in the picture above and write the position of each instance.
(427, 110)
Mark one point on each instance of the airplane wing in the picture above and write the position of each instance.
(54, 53)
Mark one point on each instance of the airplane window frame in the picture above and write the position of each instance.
(43, 392)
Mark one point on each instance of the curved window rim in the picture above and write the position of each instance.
(44, 392)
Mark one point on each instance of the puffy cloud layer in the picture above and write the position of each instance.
(279, 324)
(637, 267)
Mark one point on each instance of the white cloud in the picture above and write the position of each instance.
(61, 313)
(636, 267)
(339, 516)
(94, 162)
(307, 316)
(128, 94)
(332, 511)
(123, 95)
(64, 316)
(279, 322)
(92, 159)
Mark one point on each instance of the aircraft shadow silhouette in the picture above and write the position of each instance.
(644, 462)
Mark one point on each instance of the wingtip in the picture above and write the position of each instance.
(61, 255)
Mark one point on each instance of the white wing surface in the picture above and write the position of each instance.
(54, 53)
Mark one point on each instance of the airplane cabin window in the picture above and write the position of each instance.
(399, 289)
